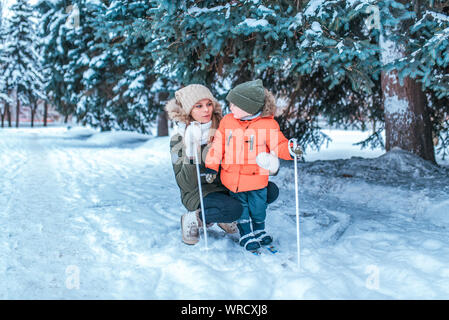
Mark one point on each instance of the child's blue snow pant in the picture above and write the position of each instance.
(254, 210)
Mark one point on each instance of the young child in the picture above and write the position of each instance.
(247, 145)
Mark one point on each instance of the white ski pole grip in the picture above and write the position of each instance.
(197, 164)
(292, 145)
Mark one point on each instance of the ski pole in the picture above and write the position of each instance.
(292, 144)
(197, 164)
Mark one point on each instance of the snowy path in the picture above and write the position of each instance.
(71, 209)
(82, 220)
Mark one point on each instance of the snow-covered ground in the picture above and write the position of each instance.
(86, 215)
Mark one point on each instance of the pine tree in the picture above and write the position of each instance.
(21, 71)
(324, 60)
(5, 99)
(91, 68)
(36, 91)
(56, 31)
(135, 100)
(108, 79)
(407, 121)
(428, 62)
(221, 44)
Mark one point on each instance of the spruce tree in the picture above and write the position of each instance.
(135, 94)
(324, 60)
(21, 71)
(5, 90)
(221, 44)
(53, 29)
(106, 71)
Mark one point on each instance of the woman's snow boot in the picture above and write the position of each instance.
(190, 228)
(228, 227)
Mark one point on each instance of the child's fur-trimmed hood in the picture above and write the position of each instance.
(269, 108)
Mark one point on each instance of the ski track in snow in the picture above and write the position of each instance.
(85, 222)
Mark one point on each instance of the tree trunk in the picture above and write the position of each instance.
(407, 123)
(417, 8)
(17, 112)
(45, 113)
(3, 115)
(162, 124)
(33, 112)
(8, 110)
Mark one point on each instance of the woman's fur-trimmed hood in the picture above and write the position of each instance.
(177, 113)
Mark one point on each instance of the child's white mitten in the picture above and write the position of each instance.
(268, 161)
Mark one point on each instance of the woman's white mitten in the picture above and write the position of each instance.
(192, 138)
(268, 161)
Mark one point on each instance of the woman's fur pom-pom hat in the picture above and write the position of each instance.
(179, 109)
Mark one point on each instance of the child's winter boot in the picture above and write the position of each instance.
(263, 237)
(260, 234)
(249, 242)
(247, 239)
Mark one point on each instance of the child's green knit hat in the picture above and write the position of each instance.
(248, 96)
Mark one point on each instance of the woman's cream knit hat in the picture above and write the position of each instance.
(191, 94)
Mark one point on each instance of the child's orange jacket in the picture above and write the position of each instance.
(235, 147)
